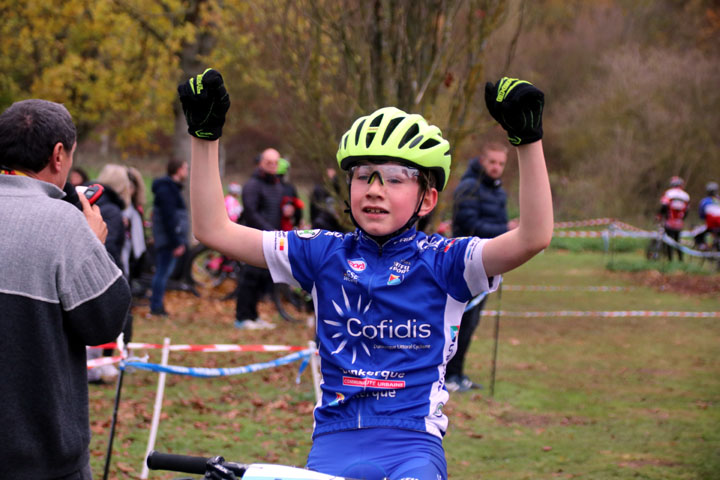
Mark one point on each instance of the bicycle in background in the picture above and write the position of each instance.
(215, 274)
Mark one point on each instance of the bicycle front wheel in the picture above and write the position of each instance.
(206, 268)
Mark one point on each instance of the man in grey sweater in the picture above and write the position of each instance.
(59, 291)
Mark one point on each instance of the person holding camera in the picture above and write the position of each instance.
(59, 291)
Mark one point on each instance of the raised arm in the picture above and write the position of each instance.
(517, 106)
(205, 102)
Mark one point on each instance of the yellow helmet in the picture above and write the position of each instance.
(391, 135)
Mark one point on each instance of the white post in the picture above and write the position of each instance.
(158, 407)
(315, 367)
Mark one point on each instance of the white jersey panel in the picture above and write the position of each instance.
(475, 276)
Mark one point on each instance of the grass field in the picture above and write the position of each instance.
(575, 397)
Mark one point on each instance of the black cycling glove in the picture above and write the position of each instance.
(517, 105)
(205, 102)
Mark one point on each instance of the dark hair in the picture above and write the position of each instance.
(83, 174)
(427, 179)
(173, 165)
(29, 131)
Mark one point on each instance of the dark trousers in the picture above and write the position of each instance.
(675, 235)
(255, 283)
(468, 324)
(164, 266)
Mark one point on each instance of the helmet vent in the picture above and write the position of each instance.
(429, 143)
(369, 139)
(357, 132)
(376, 121)
(409, 135)
(392, 124)
(415, 141)
(345, 141)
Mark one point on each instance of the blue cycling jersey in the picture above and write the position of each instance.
(386, 320)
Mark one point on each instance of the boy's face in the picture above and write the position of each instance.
(386, 203)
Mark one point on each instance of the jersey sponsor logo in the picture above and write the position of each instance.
(339, 398)
(431, 243)
(407, 239)
(377, 394)
(470, 251)
(334, 234)
(400, 267)
(388, 329)
(358, 337)
(438, 410)
(351, 276)
(395, 279)
(373, 383)
(450, 244)
(357, 264)
(454, 331)
(308, 234)
(280, 241)
(384, 374)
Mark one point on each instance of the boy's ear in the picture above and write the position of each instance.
(429, 201)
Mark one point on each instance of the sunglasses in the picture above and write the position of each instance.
(389, 175)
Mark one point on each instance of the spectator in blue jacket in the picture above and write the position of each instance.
(479, 209)
(170, 229)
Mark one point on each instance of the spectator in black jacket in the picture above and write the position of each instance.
(115, 198)
(170, 229)
(322, 203)
(291, 205)
(479, 210)
(262, 202)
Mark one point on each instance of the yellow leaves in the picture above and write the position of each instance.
(112, 63)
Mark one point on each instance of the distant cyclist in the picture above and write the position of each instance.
(709, 213)
(674, 206)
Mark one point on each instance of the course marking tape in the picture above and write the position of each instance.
(218, 372)
(636, 233)
(207, 348)
(597, 222)
(579, 234)
(696, 253)
(621, 313)
(565, 288)
(584, 223)
(102, 361)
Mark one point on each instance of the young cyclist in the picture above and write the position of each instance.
(674, 205)
(388, 299)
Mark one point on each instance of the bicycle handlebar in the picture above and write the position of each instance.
(202, 465)
(187, 463)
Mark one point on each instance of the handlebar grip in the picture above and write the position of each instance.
(177, 463)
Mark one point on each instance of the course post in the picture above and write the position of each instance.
(495, 347)
(158, 408)
(315, 367)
